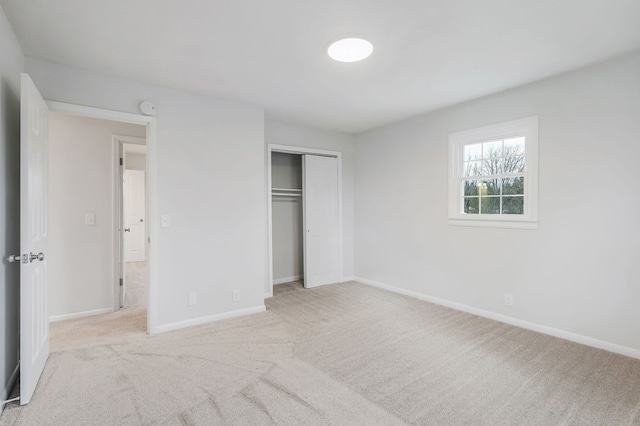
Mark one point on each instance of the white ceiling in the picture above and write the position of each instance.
(428, 53)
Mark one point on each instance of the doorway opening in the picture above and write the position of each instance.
(102, 238)
(287, 220)
(304, 217)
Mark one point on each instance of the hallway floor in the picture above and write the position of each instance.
(136, 281)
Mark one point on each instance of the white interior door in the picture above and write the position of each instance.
(134, 214)
(321, 226)
(34, 320)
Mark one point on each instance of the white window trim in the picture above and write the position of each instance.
(527, 127)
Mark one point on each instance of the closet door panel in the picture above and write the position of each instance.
(321, 224)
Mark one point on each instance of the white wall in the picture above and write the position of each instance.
(211, 181)
(11, 64)
(578, 272)
(288, 134)
(81, 181)
(286, 214)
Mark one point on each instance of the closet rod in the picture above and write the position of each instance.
(286, 195)
(286, 189)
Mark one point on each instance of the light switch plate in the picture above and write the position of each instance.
(165, 221)
(90, 219)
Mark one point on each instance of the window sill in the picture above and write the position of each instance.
(490, 223)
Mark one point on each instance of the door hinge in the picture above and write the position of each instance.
(120, 282)
(121, 162)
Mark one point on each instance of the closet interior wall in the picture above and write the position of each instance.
(287, 217)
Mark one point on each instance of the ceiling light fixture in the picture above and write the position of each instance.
(350, 50)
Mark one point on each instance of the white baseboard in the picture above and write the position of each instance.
(56, 318)
(567, 335)
(287, 280)
(210, 318)
(349, 278)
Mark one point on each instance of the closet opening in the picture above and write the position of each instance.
(305, 211)
(287, 219)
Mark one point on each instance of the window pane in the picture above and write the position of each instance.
(514, 164)
(470, 187)
(472, 168)
(489, 187)
(492, 166)
(513, 205)
(490, 205)
(512, 186)
(473, 152)
(492, 149)
(470, 205)
(514, 146)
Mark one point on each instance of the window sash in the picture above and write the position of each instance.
(462, 178)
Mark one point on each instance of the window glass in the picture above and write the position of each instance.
(473, 152)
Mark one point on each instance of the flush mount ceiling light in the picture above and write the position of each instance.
(350, 50)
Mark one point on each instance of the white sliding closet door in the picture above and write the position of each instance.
(321, 225)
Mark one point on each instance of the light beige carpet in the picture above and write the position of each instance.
(344, 355)
(128, 324)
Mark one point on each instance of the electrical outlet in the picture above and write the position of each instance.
(193, 299)
(236, 295)
(508, 299)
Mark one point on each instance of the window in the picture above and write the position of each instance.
(493, 179)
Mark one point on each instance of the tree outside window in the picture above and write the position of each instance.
(493, 177)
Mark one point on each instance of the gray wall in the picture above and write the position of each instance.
(11, 64)
(286, 172)
(578, 272)
(136, 161)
